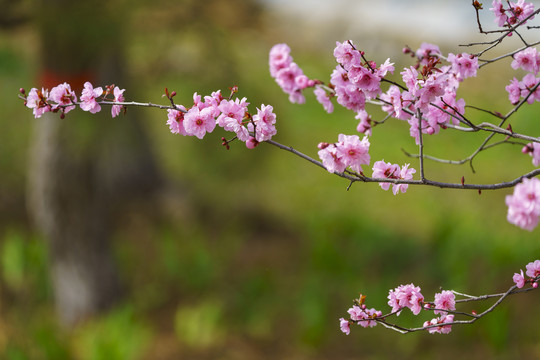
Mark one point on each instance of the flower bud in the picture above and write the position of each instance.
(252, 143)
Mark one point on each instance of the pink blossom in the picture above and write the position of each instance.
(329, 158)
(410, 78)
(433, 87)
(347, 56)
(264, 122)
(63, 96)
(38, 102)
(344, 326)
(279, 58)
(357, 313)
(445, 300)
(514, 91)
(353, 152)
(251, 143)
(351, 98)
(364, 126)
(499, 12)
(385, 68)
(520, 11)
(232, 115)
(323, 99)
(406, 296)
(288, 75)
(383, 170)
(394, 103)
(527, 59)
(199, 122)
(533, 149)
(366, 81)
(464, 65)
(426, 51)
(524, 204)
(89, 96)
(118, 97)
(533, 269)
(348, 94)
(441, 329)
(370, 315)
(441, 111)
(405, 174)
(175, 120)
(528, 85)
(519, 280)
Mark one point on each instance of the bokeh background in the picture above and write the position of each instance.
(120, 240)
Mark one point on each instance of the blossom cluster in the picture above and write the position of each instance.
(410, 296)
(349, 151)
(528, 60)
(383, 170)
(63, 99)
(514, 13)
(231, 115)
(288, 74)
(524, 204)
(532, 271)
(404, 296)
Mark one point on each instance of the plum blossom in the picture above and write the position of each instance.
(528, 60)
(348, 151)
(383, 170)
(37, 101)
(199, 122)
(364, 126)
(426, 51)
(345, 326)
(279, 58)
(89, 96)
(348, 94)
(464, 65)
(514, 91)
(517, 12)
(347, 55)
(352, 151)
(329, 158)
(175, 120)
(524, 204)
(445, 300)
(406, 296)
(441, 329)
(528, 85)
(323, 99)
(232, 115)
(499, 12)
(288, 75)
(118, 97)
(264, 122)
(519, 280)
(64, 97)
(370, 315)
(533, 149)
(533, 269)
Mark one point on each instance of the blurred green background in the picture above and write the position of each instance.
(247, 254)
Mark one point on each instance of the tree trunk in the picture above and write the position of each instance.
(84, 166)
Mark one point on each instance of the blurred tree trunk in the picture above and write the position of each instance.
(84, 166)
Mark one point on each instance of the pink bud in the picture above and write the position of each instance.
(323, 145)
(252, 143)
(535, 285)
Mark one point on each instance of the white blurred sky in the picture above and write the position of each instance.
(431, 20)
